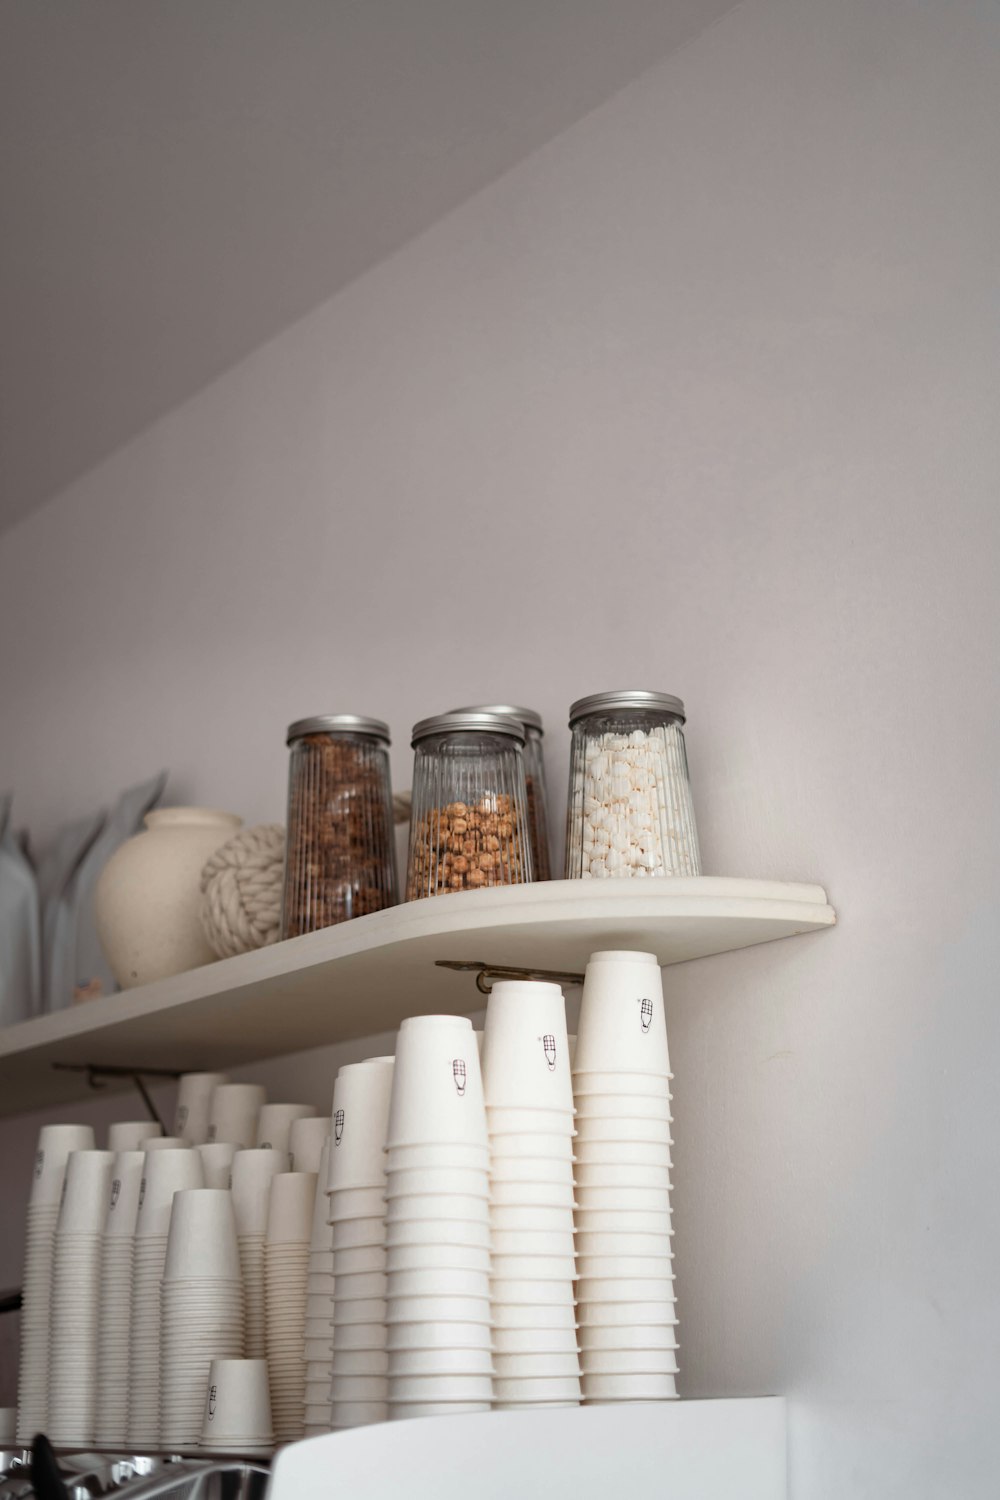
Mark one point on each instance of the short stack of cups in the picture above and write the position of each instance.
(252, 1174)
(233, 1113)
(275, 1121)
(286, 1306)
(529, 1111)
(237, 1415)
(356, 1213)
(201, 1310)
(129, 1135)
(621, 1082)
(318, 1352)
(76, 1290)
(117, 1256)
(165, 1172)
(437, 1224)
(55, 1142)
(217, 1162)
(194, 1101)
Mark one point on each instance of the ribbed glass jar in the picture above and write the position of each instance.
(534, 777)
(468, 820)
(340, 860)
(630, 811)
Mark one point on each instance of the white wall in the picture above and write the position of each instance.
(703, 396)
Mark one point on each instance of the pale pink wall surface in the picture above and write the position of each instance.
(703, 396)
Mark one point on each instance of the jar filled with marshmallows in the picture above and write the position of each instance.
(630, 812)
(469, 819)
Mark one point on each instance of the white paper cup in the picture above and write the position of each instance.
(445, 1281)
(128, 1135)
(615, 1104)
(532, 1194)
(162, 1142)
(8, 1426)
(446, 1337)
(628, 1388)
(411, 1181)
(626, 1289)
(360, 1362)
(55, 1142)
(437, 1092)
(533, 1242)
(233, 1112)
(123, 1198)
(534, 1267)
(359, 1388)
(408, 1411)
(467, 1233)
(362, 1260)
(165, 1173)
(365, 1310)
(453, 1154)
(622, 1024)
(627, 1222)
(306, 1140)
(534, 1388)
(345, 1414)
(534, 1341)
(194, 1099)
(630, 1089)
(360, 1284)
(201, 1244)
(620, 1130)
(274, 1124)
(534, 1316)
(629, 1362)
(531, 1148)
(527, 1291)
(356, 1203)
(290, 1208)
(217, 1163)
(252, 1174)
(544, 1366)
(407, 1362)
(591, 1178)
(440, 1206)
(441, 1388)
(437, 1309)
(614, 1267)
(622, 1336)
(541, 1219)
(86, 1193)
(359, 1122)
(321, 1283)
(435, 1257)
(361, 1336)
(534, 1169)
(525, 1047)
(356, 1234)
(521, 1122)
(623, 1156)
(609, 1314)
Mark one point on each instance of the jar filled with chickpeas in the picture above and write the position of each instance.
(534, 778)
(469, 820)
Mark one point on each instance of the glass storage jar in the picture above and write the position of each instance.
(340, 860)
(630, 810)
(534, 778)
(468, 819)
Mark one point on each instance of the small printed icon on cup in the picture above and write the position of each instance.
(213, 1392)
(142, 1192)
(460, 1076)
(549, 1048)
(338, 1127)
(645, 1014)
(39, 1162)
(182, 1118)
(116, 1191)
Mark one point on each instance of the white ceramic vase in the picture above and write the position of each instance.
(147, 901)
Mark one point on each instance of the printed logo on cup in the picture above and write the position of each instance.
(645, 1014)
(459, 1074)
(142, 1192)
(338, 1126)
(39, 1162)
(116, 1191)
(549, 1048)
(213, 1391)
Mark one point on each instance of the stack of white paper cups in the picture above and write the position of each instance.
(306, 1142)
(621, 1073)
(233, 1112)
(437, 1224)
(286, 1277)
(166, 1172)
(217, 1162)
(201, 1310)
(76, 1289)
(356, 1212)
(529, 1109)
(128, 1135)
(275, 1121)
(252, 1173)
(55, 1142)
(194, 1101)
(318, 1352)
(238, 1409)
(117, 1255)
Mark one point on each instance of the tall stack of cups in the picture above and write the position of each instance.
(275, 1121)
(217, 1162)
(233, 1113)
(252, 1174)
(356, 1212)
(117, 1256)
(286, 1278)
(306, 1143)
(166, 1172)
(76, 1290)
(55, 1142)
(318, 1352)
(437, 1224)
(128, 1135)
(194, 1101)
(201, 1309)
(621, 1080)
(529, 1110)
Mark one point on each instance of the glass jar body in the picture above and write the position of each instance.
(468, 820)
(630, 811)
(537, 804)
(340, 860)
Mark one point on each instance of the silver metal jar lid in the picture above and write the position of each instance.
(611, 703)
(338, 724)
(527, 716)
(473, 721)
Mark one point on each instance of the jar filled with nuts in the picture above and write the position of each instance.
(340, 860)
(468, 821)
(630, 811)
(534, 777)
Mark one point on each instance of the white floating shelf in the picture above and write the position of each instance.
(684, 1450)
(364, 976)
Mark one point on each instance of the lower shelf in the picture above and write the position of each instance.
(687, 1450)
